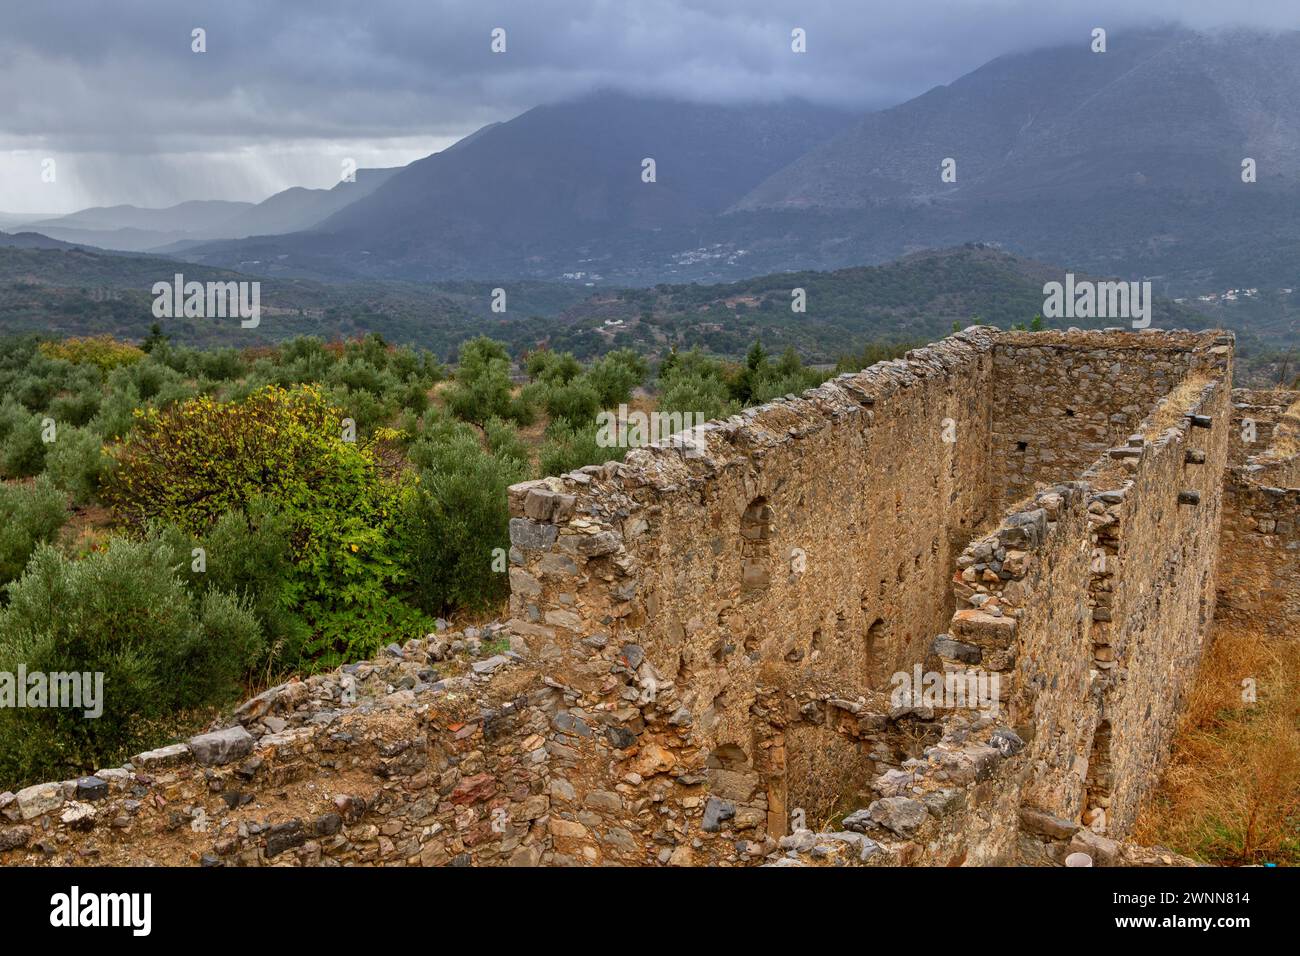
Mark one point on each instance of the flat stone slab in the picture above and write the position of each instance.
(221, 746)
(169, 756)
(39, 798)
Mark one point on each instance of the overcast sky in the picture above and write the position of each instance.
(112, 92)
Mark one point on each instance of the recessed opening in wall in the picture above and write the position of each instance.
(1097, 797)
(728, 757)
(755, 538)
(875, 653)
(1022, 445)
(1069, 413)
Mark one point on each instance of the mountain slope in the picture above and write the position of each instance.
(549, 186)
(1161, 110)
(298, 208)
(31, 240)
(1127, 162)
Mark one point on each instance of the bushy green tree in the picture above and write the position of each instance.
(30, 515)
(249, 554)
(577, 402)
(553, 368)
(482, 388)
(22, 445)
(458, 518)
(569, 447)
(192, 463)
(615, 375)
(75, 462)
(695, 383)
(123, 613)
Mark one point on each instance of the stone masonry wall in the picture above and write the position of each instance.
(1259, 549)
(1064, 398)
(702, 645)
(1159, 555)
(383, 763)
(693, 567)
(811, 542)
(1265, 407)
(1259, 558)
(1023, 613)
(1099, 595)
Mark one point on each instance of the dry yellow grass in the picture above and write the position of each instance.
(1179, 401)
(1231, 794)
(1286, 437)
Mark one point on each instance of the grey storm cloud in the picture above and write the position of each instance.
(285, 88)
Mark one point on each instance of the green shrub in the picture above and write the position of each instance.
(22, 450)
(412, 395)
(192, 463)
(483, 389)
(615, 375)
(30, 515)
(569, 447)
(553, 368)
(75, 462)
(125, 613)
(576, 403)
(503, 440)
(250, 555)
(116, 413)
(693, 393)
(365, 408)
(218, 365)
(483, 396)
(456, 518)
(76, 408)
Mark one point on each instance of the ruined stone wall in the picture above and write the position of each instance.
(702, 646)
(1259, 556)
(811, 542)
(1259, 548)
(1265, 408)
(1099, 595)
(1064, 398)
(1159, 553)
(409, 770)
(808, 552)
(1023, 612)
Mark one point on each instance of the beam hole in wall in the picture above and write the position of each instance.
(755, 539)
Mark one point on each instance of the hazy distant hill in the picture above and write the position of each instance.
(134, 229)
(31, 240)
(295, 209)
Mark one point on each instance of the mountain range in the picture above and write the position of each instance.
(1125, 163)
(175, 228)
